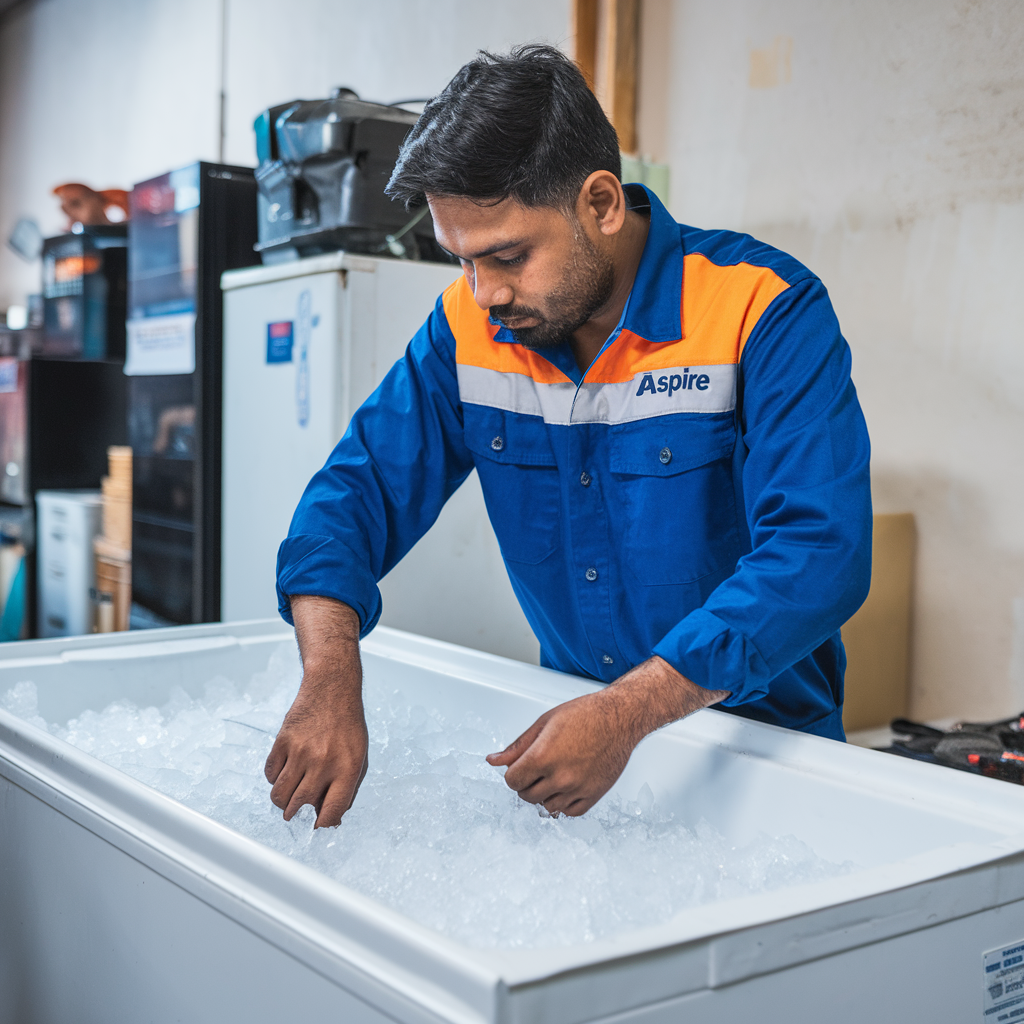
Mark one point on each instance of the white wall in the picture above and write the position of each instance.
(111, 92)
(386, 50)
(108, 92)
(889, 157)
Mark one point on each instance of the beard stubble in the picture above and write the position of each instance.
(583, 290)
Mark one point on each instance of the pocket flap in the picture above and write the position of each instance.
(666, 445)
(508, 437)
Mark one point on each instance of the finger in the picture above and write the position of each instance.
(276, 760)
(541, 791)
(579, 806)
(310, 791)
(524, 774)
(518, 746)
(554, 805)
(337, 800)
(287, 782)
(339, 784)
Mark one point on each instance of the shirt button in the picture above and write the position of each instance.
(499, 442)
(607, 659)
(665, 455)
(585, 479)
(591, 574)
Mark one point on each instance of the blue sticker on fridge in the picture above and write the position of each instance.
(280, 337)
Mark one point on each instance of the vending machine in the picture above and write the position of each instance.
(84, 293)
(305, 343)
(186, 228)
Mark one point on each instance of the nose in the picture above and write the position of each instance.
(488, 288)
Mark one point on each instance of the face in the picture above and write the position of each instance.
(534, 269)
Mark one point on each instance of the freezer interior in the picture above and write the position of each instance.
(743, 780)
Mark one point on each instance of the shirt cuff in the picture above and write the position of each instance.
(325, 567)
(715, 656)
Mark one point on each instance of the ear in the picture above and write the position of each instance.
(602, 203)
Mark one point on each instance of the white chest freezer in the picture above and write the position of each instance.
(119, 904)
(305, 343)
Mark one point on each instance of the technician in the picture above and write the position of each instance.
(664, 427)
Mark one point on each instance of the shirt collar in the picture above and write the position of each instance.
(654, 306)
(654, 309)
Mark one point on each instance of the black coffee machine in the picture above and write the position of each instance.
(323, 165)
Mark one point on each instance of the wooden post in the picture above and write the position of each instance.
(606, 34)
(584, 30)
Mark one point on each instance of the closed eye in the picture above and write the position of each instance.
(513, 262)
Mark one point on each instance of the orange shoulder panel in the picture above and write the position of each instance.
(475, 344)
(721, 306)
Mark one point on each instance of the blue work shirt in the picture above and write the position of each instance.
(701, 492)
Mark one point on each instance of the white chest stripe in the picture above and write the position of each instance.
(702, 389)
(515, 392)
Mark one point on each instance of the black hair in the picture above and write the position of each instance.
(522, 125)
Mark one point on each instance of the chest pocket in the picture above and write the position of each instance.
(519, 478)
(674, 477)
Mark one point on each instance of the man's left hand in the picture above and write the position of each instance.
(572, 755)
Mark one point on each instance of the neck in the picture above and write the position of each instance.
(588, 340)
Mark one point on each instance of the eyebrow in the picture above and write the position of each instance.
(489, 251)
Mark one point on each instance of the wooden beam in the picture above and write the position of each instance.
(584, 31)
(619, 36)
(606, 34)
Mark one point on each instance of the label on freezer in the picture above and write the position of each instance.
(1004, 984)
(161, 345)
(280, 337)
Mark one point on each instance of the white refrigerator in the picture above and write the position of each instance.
(304, 344)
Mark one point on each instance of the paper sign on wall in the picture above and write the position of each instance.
(160, 345)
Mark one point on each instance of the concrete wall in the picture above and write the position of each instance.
(111, 92)
(881, 143)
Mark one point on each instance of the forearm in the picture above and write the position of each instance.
(327, 633)
(572, 755)
(319, 755)
(654, 694)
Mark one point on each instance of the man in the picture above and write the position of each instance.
(664, 427)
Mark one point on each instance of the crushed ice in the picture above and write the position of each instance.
(434, 833)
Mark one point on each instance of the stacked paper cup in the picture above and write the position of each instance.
(113, 550)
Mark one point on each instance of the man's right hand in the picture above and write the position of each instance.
(319, 756)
